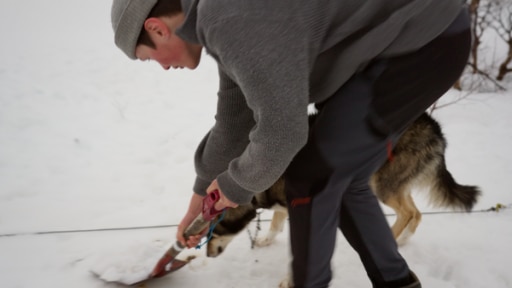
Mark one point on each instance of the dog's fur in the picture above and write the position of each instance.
(418, 161)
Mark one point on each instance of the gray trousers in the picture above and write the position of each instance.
(327, 188)
(327, 182)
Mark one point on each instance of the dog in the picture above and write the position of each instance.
(418, 161)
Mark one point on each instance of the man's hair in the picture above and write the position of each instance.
(161, 8)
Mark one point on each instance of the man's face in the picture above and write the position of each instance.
(171, 52)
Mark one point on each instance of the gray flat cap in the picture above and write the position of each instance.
(128, 17)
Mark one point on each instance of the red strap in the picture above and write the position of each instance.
(300, 201)
(390, 150)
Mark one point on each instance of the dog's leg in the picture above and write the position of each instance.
(413, 222)
(413, 216)
(398, 202)
(276, 226)
(287, 282)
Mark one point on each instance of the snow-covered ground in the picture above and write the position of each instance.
(92, 140)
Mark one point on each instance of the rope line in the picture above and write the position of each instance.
(210, 231)
(496, 208)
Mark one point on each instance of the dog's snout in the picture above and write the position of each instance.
(214, 251)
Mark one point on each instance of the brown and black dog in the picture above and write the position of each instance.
(418, 162)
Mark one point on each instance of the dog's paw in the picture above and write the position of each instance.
(285, 283)
(267, 240)
(403, 238)
(264, 241)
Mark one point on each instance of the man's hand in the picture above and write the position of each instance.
(194, 209)
(223, 201)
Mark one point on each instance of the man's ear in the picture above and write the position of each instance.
(156, 27)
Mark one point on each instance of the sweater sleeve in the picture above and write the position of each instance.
(227, 139)
(269, 62)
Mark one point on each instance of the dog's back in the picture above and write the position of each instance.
(418, 161)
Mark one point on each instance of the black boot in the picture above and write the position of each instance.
(415, 282)
(411, 281)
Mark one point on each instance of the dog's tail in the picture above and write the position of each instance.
(446, 192)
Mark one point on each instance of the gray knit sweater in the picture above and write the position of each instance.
(277, 56)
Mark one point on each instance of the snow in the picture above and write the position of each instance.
(90, 140)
